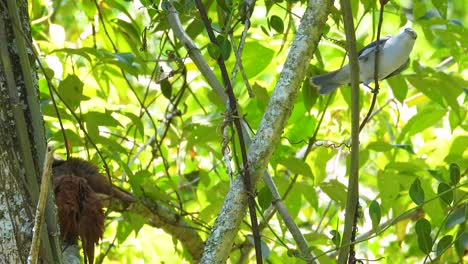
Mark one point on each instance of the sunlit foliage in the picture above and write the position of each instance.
(122, 82)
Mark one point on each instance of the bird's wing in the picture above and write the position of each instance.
(400, 69)
(370, 48)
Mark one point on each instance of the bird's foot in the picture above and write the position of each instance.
(373, 90)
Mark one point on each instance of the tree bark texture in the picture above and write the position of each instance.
(219, 243)
(22, 140)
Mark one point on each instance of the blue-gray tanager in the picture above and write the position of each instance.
(393, 58)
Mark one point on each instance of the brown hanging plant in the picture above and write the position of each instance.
(80, 212)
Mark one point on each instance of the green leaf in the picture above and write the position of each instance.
(443, 244)
(455, 218)
(110, 144)
(454, 120)
(427, 85)
(423, 226)
(425, 243)
(379, 146)
(407, 147)
(225, 5)
(336, 237)
(375, 214)
(309, 194)
(118, 6)
(446, 197)
(299, 125)
(454, 173)
(213, 51)
(441, 6)
(49, 110)
(405, 167)
(457, 149)
(106, 119)
(423, 231)
(335, 190)
(363, 158)
(294, 203)
(461, 243)
(83, 52)
(124, 229)
(209, 212)
(368, 4)
(355, 7)
(399, 87)
(137, 221)
(264, 198)
(71, 91)
(309, 93)
(89, 10)
(277, 24)
(123, 61)
(261, 96)
(256, 58)
(200, 134)
(264, 247)
(136, 121)
(224, 46)
(389, 187)
(416, 192)
(264, 30)
(73, 139)
(49, 73)
(419, 9)
(321, 156)
(126, 57)
(137, 181)
(265, 250)
(166, 89)
(451, 91)
(320, 238)
(129, 29)
(297, 166)
(101, 119)
(422, 120)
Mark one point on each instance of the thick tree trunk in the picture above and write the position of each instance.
(22, 141)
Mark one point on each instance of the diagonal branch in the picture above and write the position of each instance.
(295, 231)
(219, 243)
(193, 50)
(233, 109)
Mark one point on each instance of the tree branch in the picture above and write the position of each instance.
(193, 51)
(234, 113)
(219, 243)
(160, 216)
(353, 181)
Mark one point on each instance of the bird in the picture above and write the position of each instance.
(77, 183)
(394, 54)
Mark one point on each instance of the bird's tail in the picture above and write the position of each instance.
(328, 82)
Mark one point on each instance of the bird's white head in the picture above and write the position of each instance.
(411, 32)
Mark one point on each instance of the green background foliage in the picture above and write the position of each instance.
(126, 84)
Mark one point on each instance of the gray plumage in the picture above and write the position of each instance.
(393, 59)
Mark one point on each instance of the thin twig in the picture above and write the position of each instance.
(269, 133)
(376, 69)
(248, 6)
(237, 123)
(41, 204)
(193, 51)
